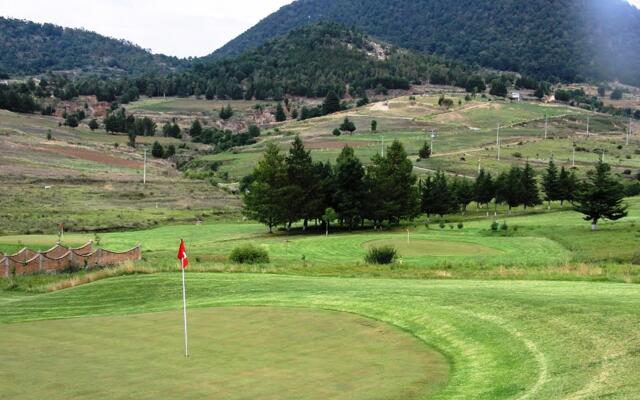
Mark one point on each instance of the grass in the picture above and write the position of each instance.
(28, 207)
(237, 352)
(465, 134)
(540, 244)
(192, 105)
(504, 340)
(435, 248)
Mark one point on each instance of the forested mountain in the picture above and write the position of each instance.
(317, 59)
(568, 40)
(311, 61)
(31, 48)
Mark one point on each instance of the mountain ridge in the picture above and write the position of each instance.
(28, 47)
(563, 40)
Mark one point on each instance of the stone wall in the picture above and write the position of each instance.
(60, 258)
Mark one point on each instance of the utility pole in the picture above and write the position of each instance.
(433, 136)
(573, 163)
(546, 126)
(588, 123)
(498, 141)
(382, 146)
(144, 168)
(629, 132)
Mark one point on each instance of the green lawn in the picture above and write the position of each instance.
(236, 353)
(539, 244)
(503, 340)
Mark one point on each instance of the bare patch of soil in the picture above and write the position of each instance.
(89, 155)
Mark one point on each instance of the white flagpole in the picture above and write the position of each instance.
(184, 313)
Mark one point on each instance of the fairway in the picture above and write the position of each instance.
(237, 353)
(417, 248)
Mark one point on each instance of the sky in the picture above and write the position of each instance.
(180, 28)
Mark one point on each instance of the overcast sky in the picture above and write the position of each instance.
(174, 27)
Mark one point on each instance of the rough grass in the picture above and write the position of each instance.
(506, 340)
(464, 132)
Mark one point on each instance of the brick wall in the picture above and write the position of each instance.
(60, 258)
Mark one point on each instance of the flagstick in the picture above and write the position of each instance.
(184, 313)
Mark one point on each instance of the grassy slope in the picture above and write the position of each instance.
(505, 340)
(466, 135)
(87, 192)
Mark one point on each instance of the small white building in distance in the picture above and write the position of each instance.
(515, 96)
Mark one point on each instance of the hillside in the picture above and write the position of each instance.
(31, 48)
(569, 40)
(311, 61)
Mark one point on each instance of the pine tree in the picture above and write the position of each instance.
(551, 183)
(93, 124)
(300, 183)
(196, 129)
(348, 126)
(463, 191)
(393, 185)
(350, 189)
(280, 115)
(157, 150)
(226, 112)
(567, 186)
(425, 151)
(374, 125)
(265, 199)
(600, 196)
(509, 188)
(530, 192)
(485, 189)
(437, 198)
(331, 103)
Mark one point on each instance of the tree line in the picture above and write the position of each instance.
(287, 188)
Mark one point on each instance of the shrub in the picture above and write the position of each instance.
(635, 260)
(442, 225)
(494, 226)
(381, 255)
(249, 254)
(504, 226)
(460, 225)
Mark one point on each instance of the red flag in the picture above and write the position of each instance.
(182, 255)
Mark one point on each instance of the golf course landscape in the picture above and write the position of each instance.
(328, 215)
(410, 339)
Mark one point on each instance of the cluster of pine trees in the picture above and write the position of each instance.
(119, 121)
(287, 188)
(513, 188)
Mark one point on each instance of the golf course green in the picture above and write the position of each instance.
(501, 339)
(236, 353)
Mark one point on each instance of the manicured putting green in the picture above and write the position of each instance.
(418, 248)
(237, 353)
